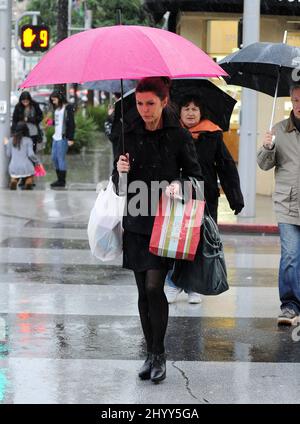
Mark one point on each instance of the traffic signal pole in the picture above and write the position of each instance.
(5, 83)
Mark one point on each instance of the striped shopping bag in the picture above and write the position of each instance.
(176, 229)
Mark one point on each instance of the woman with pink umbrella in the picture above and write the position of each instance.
(157, 149)
(154, 149)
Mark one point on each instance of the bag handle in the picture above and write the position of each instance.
(210, 228)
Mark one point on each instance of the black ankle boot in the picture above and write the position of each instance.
(61, 182)
(145, 370)
(54, 184)
(158, 370)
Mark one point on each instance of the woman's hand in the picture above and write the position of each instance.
(123, 164)
(174, 190)
(70, 143)
(5, 140)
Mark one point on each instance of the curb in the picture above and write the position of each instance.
(249, 228)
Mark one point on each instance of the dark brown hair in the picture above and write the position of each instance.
(61, 99)
(25, 95)
(20, 131)
(157, 85)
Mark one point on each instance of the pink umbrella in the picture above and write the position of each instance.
(121, 52)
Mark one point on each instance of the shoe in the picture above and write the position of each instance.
(61, 182)
(13, 184)
(145, 371)
(158, 370)
(288, 317)
(172, 293)
(55, 182)
(194, 298)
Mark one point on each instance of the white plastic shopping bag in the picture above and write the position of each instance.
(105, 224)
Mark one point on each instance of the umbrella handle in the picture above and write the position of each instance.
(274, 101)
(122, 117)
(277, 84)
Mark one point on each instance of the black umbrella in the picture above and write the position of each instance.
(111, 86)
(270, 68)
(217, 103)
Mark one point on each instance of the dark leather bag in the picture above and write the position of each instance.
(207, 273)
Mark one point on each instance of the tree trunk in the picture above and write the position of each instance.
(62, 32)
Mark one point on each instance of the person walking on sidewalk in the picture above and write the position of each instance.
(281, 149)
(216, 163)
(19, 149)
(157, 149)
(63, 136)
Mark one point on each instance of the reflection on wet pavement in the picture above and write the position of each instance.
(65, 274)
(109, 337)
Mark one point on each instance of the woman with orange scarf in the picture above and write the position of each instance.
(216, 163)
(213, 156)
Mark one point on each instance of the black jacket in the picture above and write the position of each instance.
(68, 123)
(18, 115)
(166, 154)
(216, 161)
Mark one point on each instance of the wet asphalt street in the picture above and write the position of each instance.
(69, 325)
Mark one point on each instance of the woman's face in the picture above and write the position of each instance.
(150, 107)
(25, 102)
(190, 115)
(55, 101)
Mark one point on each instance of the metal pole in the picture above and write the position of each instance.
(276, 89)
(69, 17)
(248, 134)
(5, 83)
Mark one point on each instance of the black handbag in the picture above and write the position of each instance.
(207, 273)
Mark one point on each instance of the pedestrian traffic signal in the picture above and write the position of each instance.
(35, 38)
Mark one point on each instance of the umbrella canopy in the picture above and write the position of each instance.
(121, 51)
(258, 66)
(111, 86)
(217, 103)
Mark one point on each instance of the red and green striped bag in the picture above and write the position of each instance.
(176, 229)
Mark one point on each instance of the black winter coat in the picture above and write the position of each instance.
(18, 115)
(166, 154)
(216, 161)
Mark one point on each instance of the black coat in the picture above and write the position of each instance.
(216, 161)
(166, 154)
(18, 115)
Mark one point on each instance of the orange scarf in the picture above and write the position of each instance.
(205, 125)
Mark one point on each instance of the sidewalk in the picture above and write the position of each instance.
(264, 222)
(88, 169)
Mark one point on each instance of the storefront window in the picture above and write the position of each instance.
(222, 39)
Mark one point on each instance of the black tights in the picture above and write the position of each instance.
(153, 308)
